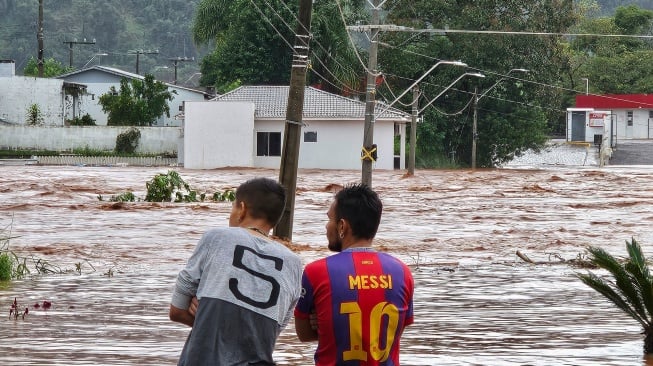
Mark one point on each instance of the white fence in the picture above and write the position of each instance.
(103, 160)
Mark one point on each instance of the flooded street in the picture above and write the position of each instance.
(476, 302)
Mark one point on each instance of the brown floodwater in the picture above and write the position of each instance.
(476, 302)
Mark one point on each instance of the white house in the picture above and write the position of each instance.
(99, 79)
(245, 128)
(56, 100)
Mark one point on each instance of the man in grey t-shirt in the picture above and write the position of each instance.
(246, 284)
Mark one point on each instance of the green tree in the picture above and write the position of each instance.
(631, 287)
(253, 43)
(515, 115)
(137, 103)
(614, 65)
(51, 68)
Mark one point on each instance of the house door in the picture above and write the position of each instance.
(650, 128)
(578, 126)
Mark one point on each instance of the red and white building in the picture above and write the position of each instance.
(613, 116)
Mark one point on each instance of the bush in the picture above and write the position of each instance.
(85, 120)
(34, 115)
(127, 142)
(6, 267)
(163, 187)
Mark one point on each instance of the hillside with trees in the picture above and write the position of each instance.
(120, 29)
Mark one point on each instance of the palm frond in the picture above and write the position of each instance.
(638, 268)
(624, 281)
(598, 284)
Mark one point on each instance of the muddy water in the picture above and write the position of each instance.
(476, 302)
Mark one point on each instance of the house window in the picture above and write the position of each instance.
(629, 118)
(310, 136)
(650, 114)
(268, 144)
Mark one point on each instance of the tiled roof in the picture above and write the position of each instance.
(271, 102)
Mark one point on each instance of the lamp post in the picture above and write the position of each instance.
(475, 123)
(367, 138)
(587, 85)
(416, 112)
(455, 63)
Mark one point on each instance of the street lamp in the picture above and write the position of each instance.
(587, 85)
(475, 74)
(475, 124)
(455, 63)
(416, 112)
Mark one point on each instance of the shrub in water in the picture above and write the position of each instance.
(127, 142)
(6, 267)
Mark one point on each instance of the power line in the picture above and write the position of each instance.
(443, 32)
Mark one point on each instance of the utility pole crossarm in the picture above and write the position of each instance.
(142, 52)
(70, 48)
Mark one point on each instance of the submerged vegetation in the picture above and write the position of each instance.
(171, 187)
(13, 266)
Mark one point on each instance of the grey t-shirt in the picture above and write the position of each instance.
(247, 288)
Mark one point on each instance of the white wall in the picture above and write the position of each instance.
(640, 127)
(18, 93)
(339, 145)
(218, 134)
(154, 140)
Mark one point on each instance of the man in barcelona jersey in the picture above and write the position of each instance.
(360, 299)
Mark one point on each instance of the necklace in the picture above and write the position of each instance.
(258, 231)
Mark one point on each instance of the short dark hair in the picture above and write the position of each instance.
(264, 198)
(361, 207)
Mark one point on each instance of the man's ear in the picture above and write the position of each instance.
(343, 226)
(242, 211)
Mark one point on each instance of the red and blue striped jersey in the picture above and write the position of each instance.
(363, 300)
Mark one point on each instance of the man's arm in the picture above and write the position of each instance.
(305, 331)
(181, 315)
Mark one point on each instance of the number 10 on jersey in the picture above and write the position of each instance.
(380, 310)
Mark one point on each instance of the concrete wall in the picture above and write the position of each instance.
(218, 134)
(154, 140)
(20, 92)
(7, 68)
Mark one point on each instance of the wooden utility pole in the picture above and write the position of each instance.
(175, 61)
(370, 98)
(39, 38)
(413, 131)
(138, 53)
(474, 128)
(294, 112)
